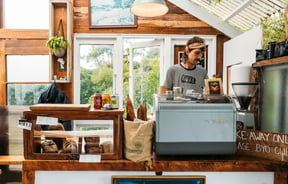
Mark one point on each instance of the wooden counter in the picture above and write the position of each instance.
(207, 163)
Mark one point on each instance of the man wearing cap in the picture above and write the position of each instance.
(188, 74)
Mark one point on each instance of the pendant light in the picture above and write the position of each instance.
(149, 8)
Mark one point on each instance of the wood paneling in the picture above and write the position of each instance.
(176, 21)
(23, 34)
(3, 91)
(1, 13)
(221, 39)
(26, 47)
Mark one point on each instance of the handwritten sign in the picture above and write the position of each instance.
(263, 144)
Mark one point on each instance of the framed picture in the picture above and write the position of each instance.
(103, 14)
(180, 55)
(213, 87)
(158, 179)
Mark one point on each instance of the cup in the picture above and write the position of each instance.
(177, 91)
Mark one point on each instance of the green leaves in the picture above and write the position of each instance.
(273, 29)
(55, 42)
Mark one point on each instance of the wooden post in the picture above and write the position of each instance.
(286, 21)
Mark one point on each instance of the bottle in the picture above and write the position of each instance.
(106, 99)
(97, 101)
(115, 101)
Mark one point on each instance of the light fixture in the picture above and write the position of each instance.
(149, 8)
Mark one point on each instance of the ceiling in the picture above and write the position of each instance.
(232, 16)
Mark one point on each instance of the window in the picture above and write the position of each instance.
(24, 77)
(21, 14)
(133, 65)
(95, 68)
(96, 71)
(28, 68)
(144, 72)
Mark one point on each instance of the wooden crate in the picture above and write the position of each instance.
(34, 137)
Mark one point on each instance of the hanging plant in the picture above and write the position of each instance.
(58, 44)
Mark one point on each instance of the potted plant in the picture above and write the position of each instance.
(58, 44)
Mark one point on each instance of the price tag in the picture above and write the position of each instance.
(89, 158)
(24, 124)
(43, 120)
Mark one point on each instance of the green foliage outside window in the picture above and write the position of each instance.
(146, 81)
(273, 29)
(99, 79)
(25, 94)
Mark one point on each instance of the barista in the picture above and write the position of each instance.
(187, 74)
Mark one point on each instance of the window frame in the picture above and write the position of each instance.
(117, 39)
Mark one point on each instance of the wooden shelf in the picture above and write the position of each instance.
(61, 9)
(66, 134)
(270, 62)
(32, 138)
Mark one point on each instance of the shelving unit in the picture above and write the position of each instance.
(269, 62)
(61, 9)
(34, 137)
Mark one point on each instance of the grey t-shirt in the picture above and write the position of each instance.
(178, 76)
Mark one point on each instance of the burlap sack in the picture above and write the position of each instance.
(138, 140)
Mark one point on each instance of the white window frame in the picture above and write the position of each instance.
(158, 42)
(83, 40)
(117, 40)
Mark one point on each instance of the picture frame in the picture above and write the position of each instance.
(180, 56)
(213, 87)
(158, 179)
(115, 14)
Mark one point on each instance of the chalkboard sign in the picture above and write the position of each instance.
(263, 144)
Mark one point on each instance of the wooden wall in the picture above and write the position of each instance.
(176, 21)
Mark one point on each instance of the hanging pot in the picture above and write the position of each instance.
(60, 52)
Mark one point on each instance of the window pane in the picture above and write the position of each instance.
(20, 14)
(146, 72)
(96, 71)
(25, 94)
(30, 68)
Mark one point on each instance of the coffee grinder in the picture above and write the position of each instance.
(244, 92)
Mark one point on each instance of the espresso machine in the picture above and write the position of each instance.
(191, 125)
(244, 92)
